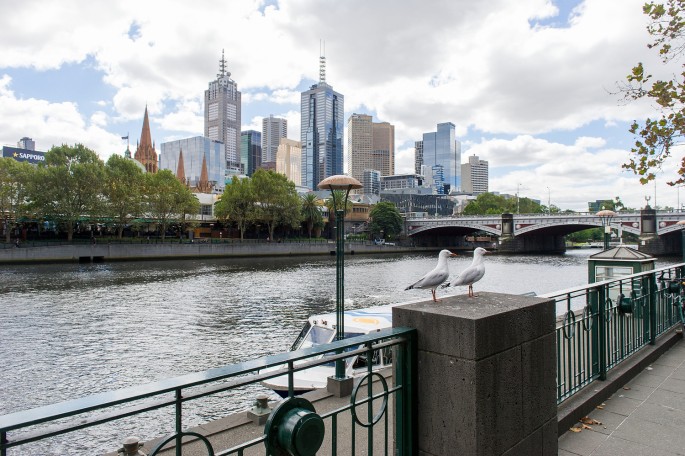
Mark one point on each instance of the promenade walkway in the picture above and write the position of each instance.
(645, 417)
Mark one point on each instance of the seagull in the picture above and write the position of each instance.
(472, 274)
(437, 276)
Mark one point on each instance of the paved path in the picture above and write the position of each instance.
(645, 417)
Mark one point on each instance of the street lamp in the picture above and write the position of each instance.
(606, 215)
(549, 201)
(341, 183)
(682, 237)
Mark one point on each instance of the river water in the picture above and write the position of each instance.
(68, 330)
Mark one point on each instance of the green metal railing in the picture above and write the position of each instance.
(22, 428)
(606, 322)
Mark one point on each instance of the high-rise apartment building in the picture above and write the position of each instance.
(371, 145)
(418, 156)
(222, 114)
(322, 123)
(474, 176)
(273, 130)
(26, 143)
(193, 151)
(371, 180)
(250, 151)
(289, 160)
(442, 155)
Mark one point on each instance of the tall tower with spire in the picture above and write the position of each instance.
(145, 153)
(222, 115)
(321, 130)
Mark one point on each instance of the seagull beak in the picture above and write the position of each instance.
(453, 254)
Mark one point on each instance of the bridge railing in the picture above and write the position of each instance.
(367, 419)
(606, 322)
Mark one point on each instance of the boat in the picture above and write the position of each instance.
(320, 329)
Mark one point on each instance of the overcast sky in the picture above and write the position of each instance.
(529, 84)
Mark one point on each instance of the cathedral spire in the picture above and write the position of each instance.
(180, 169)
(203, 186)
(145, 152)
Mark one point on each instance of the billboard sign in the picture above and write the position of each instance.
(32, 156)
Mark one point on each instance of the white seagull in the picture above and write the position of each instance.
(437, 276)
(472, 274)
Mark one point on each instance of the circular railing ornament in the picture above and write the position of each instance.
(353, 400)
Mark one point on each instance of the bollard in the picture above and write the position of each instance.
(131, 447)
(294, 429)
(260, 412)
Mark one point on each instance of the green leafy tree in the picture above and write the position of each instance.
(237, 204)
(658, 137)
(489, 203)
(68, 186)
(123, 190)
(311, 214)
(14, 178)
(386, 218)
(165, 198)
(277, 201)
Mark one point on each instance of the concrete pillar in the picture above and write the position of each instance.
(486, 375)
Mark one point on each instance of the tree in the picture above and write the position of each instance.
(311, 214)
(277, 200)
(67, 187)
(658, 137)
(237, 204)
(166, 198)
(123, 191)
(14, 178)
(489, 203)
(387, 219)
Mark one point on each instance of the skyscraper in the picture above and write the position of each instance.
(474, 176)
(289, 160)
(273, 129)
(442, 155)
(250, 151)
(322, 116)
(418, 156)
(222, 114)
(371, 145)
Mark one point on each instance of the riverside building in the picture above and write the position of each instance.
(273, 130)
(189, 153)
(474, 176)
(371, 146)
(442, 156)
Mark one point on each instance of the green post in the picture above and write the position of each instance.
(339, 286)
(601, 327)
(652, 300)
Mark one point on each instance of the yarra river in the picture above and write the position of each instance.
(69, 330)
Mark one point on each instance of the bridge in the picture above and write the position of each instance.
(658, 231)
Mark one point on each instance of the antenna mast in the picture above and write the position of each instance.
(322, 62)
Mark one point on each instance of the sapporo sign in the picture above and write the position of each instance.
(31, 156)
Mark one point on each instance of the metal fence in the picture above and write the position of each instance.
(606, 322)
(368, 413)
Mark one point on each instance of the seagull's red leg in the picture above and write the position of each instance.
(470, 291)
(433, 293)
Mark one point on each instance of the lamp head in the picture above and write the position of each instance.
(339, 182)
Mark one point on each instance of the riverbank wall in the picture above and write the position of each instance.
(88, 253)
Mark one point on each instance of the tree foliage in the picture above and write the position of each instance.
(658, 137)
(387, 219)
(277, 200)
(123, 191)
(237, 204)
(489, 203)
(167, 199)
(14, 179)
(311, 214)
(68, 185)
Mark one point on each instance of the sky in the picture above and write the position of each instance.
(531, 85)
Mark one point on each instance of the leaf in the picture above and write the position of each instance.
(575, 429)
(588, 420)
(585, 426)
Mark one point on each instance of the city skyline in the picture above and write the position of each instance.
(527, 84)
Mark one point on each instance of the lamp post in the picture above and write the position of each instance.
(341, 183)
(549, 201)
(606, 215)
(682, 237)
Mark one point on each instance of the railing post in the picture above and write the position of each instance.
(599, 339)
(652, 299)
(405, 410)
(179, 427)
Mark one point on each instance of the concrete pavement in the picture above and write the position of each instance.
(645, 417)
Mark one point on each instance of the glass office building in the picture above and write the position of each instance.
(250, 151)
(194, 149)
(441, 149)
(322, 124)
